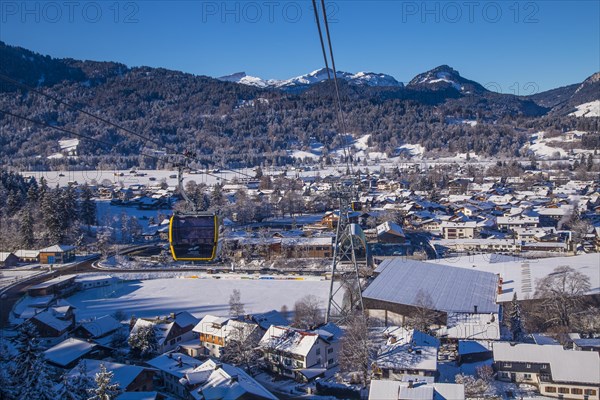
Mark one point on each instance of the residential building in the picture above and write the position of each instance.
(458, 229)
(407, 354)
(171, 330)
(131, 378)
(560, 373)
(8, 260)
(216, 332)
(213, 380)
(57, 254)
(415, 390)
(298, 354)
(171, 368)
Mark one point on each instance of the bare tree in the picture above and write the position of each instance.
(561, 294)
(307, 312)
(236, 307)
(240, 345)
(474, 387)
(357, 350)
(423, 315)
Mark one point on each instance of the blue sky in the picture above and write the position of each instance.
(510, 46)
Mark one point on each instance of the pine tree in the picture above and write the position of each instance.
(6, 384)
(514, 319)
(51, 216)
(76, 387)
(236, 307)
(26, 238)
(37, 384)
(143, 341)
(104, 390)
(87, 208)
(30, 372)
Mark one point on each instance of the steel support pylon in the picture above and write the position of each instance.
(350, 255)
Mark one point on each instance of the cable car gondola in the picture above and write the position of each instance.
(194, 236)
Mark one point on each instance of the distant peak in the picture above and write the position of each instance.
(233, 77)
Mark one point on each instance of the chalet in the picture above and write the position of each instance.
(216, 332)
(331, 218)
(213, 380)
(474, 351)
(560, 373)
(390, 232)
(97, 328)
(407, 355)
(57, 254)
(415, 390)
(312, 247)
(131, 378)
(586, 344)
(67, 353)
(28, 256)
(8, 260)
(458, 229)
(510, 223)
(171, 330)
(171, 368)
(266, 319)
(54, 322)
(298, 354)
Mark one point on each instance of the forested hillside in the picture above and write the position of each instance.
(231, 124)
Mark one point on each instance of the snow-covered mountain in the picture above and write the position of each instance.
(444, 77)
(360, 78)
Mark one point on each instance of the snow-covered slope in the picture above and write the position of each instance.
(591, 109)
(360, 78)
(444, 77)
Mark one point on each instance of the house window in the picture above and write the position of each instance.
(528, 366)
(576, 391)
(330, 350)
(550, 389)
(590, 392)
(527, 376)
(563, 390)
(507, 365)
(544, 366)
(318, 351)
(330, 361)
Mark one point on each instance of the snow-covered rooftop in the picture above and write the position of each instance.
(565, 365)
(451, 289)
(68, 351)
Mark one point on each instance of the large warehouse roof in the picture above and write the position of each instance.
(451, 289)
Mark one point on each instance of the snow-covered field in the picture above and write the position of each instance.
(549, 148)
(591, 109)
(153, 297)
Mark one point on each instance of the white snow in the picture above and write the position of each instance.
(461, 121)
(199, 295)
(68, 144)
(320, 75)
(414, 150)
(56, 156)
(549, 147)
(304, 154)
(541, 149)
(591, 109)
